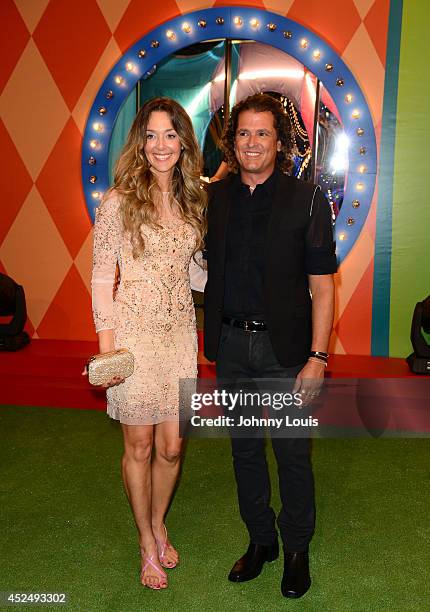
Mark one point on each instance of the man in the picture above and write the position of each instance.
(269, 246)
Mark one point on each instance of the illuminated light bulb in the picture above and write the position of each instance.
(355, 114)
(155, 44)
(109, 94)
(355, 204)
(96, 195)
(329, 67)
(92, 161)
(360, 132)
(254, 23)
(98, 127)
(219, 21)
(271, 27)
(359, 186)
(237, 21)
(186, 27)
(362, 169)
(102, 110)
(350, 221)
(340, 82)
(142, 53)
(287, 34)
(342, 236)
(129, 66)
(362, 151)
(119, 80)
(94, 144)
(202, 23)
(348, 98)
(170, 35)
(93, 179)
(316, 54)
(304, 43)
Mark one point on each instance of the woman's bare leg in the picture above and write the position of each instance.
(136, 473)
(166, 464)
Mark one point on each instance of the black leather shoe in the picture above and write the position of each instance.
(296, 579)
(250, 565)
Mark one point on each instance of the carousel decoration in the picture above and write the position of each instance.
(247, 24)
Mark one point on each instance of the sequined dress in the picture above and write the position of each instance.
(152, 313)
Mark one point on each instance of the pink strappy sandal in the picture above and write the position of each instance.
(162, 547)
(150, 561)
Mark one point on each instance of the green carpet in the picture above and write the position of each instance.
(66, 525)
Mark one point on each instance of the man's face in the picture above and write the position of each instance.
(256, 143)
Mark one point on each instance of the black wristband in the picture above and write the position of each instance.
(319, 355)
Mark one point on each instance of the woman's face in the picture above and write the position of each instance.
(162, 147)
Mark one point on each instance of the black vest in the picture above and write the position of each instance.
(288, 305)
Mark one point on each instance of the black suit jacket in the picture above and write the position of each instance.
(299, 242)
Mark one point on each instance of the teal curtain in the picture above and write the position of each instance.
(121, 128)
(187, 80)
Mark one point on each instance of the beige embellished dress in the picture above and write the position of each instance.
(151, 313)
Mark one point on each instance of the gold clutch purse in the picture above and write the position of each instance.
(102, 368)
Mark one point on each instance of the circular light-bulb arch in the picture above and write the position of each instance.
(247, 24)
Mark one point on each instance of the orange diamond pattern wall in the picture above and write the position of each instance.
(54, 56)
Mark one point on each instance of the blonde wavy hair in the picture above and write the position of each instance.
(136, 185)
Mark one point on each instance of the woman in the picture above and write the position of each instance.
(151, 222)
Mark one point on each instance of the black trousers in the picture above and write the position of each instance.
(248, 355)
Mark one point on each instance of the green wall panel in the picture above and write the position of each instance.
(410, 263)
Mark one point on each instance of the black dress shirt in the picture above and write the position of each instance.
(244, 262)
(297, 241)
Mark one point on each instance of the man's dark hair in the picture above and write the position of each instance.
(260, 103)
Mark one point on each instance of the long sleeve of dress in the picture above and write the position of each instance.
(106, 246)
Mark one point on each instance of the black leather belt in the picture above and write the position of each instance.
(251, 326)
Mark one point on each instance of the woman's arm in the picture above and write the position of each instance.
(221, 173)
(107, 238)
(106, 341)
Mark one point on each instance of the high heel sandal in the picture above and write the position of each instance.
(150, 561)
(162, 547)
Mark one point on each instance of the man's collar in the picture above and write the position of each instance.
(268, 186)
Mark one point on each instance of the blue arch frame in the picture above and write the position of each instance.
(247, 24)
